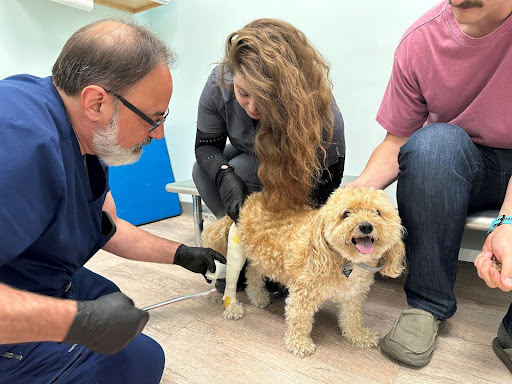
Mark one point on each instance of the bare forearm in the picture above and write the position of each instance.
(134, 243)
(382, 168)
(26, 317)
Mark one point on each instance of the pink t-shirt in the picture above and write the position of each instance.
(441, 75)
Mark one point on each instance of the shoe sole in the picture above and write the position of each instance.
(498, 349)
(419, 363)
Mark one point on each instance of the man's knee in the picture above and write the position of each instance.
(143, 361)
(154, 361)
(140, 362)
(435, 148)
(441, 139)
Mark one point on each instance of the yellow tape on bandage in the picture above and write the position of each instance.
(235, 240)
(226, 302)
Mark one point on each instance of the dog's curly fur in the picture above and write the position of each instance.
(306, 250)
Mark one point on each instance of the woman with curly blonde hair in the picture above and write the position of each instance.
(272, 97)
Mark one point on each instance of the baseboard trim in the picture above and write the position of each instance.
(186, 208)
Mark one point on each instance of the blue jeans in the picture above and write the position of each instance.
(443, 175)
(140, 362)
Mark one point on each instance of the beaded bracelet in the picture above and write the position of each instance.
(498, 221)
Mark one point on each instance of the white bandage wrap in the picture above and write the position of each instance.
(235, 261)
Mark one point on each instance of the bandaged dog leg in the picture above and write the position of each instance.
(235, 261)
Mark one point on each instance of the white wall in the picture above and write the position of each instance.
(32, 33)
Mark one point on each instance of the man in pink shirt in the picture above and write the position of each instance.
(448, 113)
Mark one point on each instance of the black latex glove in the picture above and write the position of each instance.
(197, 259)
(232, 191)
(107, 324)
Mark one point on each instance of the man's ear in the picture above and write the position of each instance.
(96, 103)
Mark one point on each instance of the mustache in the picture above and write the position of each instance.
(146, 141)
(468, 4)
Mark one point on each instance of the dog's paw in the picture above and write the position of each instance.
(363, 337)
(300, 346)
(259, 297)
(234, 311)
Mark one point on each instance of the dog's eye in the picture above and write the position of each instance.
(377, 212)
(345, 214)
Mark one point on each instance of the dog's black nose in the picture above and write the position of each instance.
(365, 227)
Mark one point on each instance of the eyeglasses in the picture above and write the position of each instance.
(142, 115)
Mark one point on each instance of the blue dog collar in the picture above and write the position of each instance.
(498, 221)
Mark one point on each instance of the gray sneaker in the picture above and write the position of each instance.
(412, 338)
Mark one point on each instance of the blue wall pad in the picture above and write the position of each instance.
(139, 189)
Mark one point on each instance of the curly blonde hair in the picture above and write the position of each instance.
(289, 81)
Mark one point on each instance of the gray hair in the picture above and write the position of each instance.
(112, 53)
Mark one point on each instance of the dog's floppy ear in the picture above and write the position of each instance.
(319, 253)
(395, 260)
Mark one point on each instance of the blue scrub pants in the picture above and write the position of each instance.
(140, 362)
(443, 175)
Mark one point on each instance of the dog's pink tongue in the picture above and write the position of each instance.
(364, 245)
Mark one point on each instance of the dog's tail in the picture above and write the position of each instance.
(215, 235)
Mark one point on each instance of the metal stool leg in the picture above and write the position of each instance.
(197, 213)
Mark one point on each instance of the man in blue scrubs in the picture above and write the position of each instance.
(59, 322)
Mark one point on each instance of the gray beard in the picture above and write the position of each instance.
(105, 141)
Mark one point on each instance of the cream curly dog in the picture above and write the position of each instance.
(326, 254)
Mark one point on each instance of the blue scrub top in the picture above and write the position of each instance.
(50, 208)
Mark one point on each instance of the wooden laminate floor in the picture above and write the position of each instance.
(202, 347)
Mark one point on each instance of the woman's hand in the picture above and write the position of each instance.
(232, 191)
